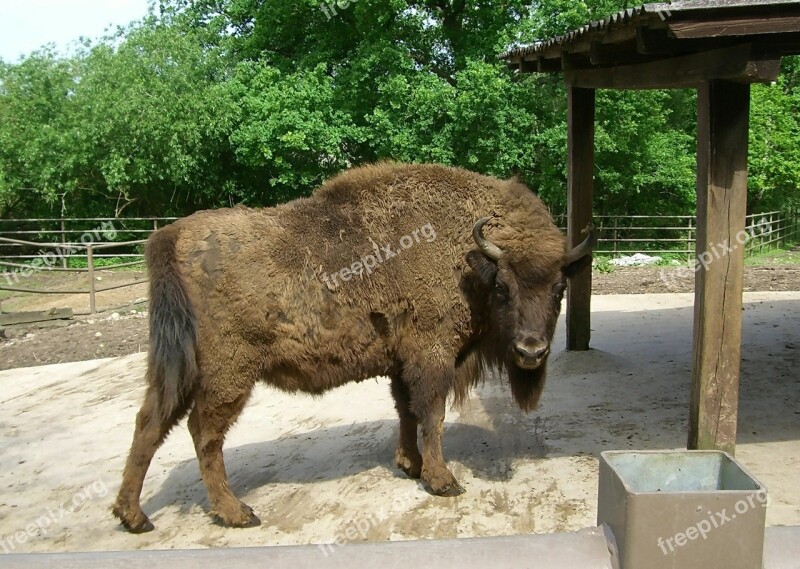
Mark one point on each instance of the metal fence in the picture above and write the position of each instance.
(18, 234)
(75, 245)
(86, 245)
(675, 235)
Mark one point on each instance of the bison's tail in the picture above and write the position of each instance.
(172, 364)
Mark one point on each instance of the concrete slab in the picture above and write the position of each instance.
(319, 470)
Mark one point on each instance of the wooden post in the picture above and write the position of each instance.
(616, 237)
(722, 127)
(63, 244)
(769, 234)
(580, 170)
(90, 264)
(689, 246)
(781, 230)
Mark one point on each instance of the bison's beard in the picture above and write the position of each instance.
(527, 385)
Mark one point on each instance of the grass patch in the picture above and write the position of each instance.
(603, 265)
(787, 255)
(673, 260)
(104, 263)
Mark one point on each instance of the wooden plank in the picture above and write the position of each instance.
(37, 316)
(540, 64)
(661, 42)
(741, 63)
(722, 132)
(616, 54)
(575, 61)
(735, 26)
(580, 171)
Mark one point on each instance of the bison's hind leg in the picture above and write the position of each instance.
(208, 423)
(149, 433)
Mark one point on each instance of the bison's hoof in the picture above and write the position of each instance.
(450, 491)
(136, 524)
(245, 518)
(141, 528)
(445, 485)
(413, 468)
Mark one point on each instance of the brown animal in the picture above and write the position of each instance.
(289, 295)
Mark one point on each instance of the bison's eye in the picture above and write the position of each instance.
(558, 290)
(501, 289)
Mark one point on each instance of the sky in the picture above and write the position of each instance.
(26, 25)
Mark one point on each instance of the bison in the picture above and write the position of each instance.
(422, 273)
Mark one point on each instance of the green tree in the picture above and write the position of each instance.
(35, 152)
(214, 102)
(774, 161)
(151, 128)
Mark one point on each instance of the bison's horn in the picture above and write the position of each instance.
(489, 249)
(584, 248)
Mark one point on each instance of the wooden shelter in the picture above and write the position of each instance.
(718, 47)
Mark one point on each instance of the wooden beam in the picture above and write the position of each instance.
(662, 42)
(742, 63)
(549, 65)
(580, 171)
(616, 54)
(11, 318)
(722, 130)
(735, 26)
(574, 61)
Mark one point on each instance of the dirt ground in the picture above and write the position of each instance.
(123, 330)
(320, 470)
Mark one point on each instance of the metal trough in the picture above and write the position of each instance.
(688, 509)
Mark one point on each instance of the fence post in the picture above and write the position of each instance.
(795, 215)
(771, 229)
(90, 264)
(616, 235)
(689, 243)
(747, 239)
(63, 244)
(155, 225)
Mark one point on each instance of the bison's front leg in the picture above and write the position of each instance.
(434, 470)
(408, 458)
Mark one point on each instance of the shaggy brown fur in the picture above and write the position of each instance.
(244, 295)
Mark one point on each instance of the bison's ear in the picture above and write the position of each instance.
(485, 268)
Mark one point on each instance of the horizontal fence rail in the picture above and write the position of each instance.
(18, 235)
(674, 236)
(75, 245)
(86, 245)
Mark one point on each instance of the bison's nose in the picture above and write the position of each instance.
(531, 355)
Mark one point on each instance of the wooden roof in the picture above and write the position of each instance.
(671, 45)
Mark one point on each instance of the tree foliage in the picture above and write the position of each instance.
(214, 102)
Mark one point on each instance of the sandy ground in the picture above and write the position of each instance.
(321, 470)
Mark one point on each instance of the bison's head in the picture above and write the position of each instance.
(521, 297)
